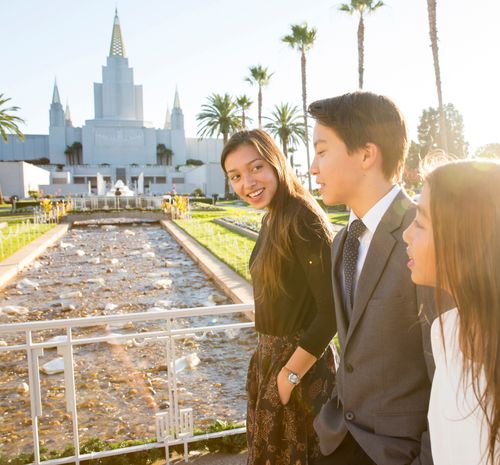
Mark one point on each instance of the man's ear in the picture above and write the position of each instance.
(371, 156)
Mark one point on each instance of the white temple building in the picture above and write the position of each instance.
(118, 144)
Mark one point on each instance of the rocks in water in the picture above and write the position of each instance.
(163, 303)
(70, 295)
(66, 245)
(54, 366)
(23, 388)
(99, 281)
(95, 260)
(13, 310)
(188, 361)
(80, 253)
(163, 284)
(218, 299)
(148, 255)
(128, 232)
(27, 284)
(109, 307)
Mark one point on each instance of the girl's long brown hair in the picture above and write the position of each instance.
(283, 219)
(465, 215)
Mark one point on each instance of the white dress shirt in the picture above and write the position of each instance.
(371, 220)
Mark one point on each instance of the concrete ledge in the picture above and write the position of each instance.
(12, 265)
(102, 216)
(237, 229)
(233, 285)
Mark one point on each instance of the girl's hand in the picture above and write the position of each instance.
(285, 388)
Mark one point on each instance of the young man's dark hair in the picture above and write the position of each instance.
(362, 117)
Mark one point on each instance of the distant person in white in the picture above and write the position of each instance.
(454, 245)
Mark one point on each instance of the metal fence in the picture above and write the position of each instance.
(174, 425)
(116, 203)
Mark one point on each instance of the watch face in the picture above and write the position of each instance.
(293, 378)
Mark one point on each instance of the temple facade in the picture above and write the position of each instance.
(118, 144)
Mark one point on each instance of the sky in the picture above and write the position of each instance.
(207, 46)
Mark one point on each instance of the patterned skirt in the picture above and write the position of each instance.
(283, 434)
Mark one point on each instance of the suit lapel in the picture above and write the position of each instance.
(337, 248)
(380, 249)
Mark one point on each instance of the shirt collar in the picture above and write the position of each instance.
(373, 216)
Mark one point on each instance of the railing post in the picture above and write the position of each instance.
(35, 393)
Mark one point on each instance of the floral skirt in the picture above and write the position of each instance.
(283, 434)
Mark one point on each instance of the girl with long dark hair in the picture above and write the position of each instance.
(454, 245)
(291, 373)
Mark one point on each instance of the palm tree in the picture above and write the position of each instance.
(302, 39)
(361, 7)
(244, 103)
(431, 10)
(8, 122)
(286, 125)
(163, 155)
(219, 116)
(261, 77)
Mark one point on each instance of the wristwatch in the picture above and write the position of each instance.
(293, 378)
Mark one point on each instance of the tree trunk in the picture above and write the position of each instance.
(260, 107)
(226, 179)
(431, 9)
(285, 148)
(304, 108)
(243, 119)
(361, 49)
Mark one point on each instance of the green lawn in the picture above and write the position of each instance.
(231, 248)
(16, 235)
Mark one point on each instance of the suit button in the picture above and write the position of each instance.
(349, 416)
(349, 368)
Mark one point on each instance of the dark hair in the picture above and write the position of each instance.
(284, 217)
(465, 216)
(360, 118)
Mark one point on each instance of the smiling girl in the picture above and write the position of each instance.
(454, 245)
(291, 371)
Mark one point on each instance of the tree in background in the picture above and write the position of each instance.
(362, 8)
(259, 76)
(285, 123)
(302, 39)
(244, 103)
(163, 155)
(432, 15)
(219, 116)
(73, 153)
(9, 122)
(488, 151)
(430, 131)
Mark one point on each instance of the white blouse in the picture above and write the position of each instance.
(458, 430)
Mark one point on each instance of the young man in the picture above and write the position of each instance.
(378, 411)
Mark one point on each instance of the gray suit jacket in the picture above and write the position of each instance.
(385, 368)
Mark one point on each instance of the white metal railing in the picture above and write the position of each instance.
(173, 426)
(116, 203)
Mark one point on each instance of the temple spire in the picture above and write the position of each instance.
(55, 93)
(67, 116)
(117, 48)
(177, 102)
(168, 119)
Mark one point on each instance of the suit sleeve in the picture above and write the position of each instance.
(427, 313)
(314, 255)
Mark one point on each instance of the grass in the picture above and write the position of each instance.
(13, 237)
(231, 248)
